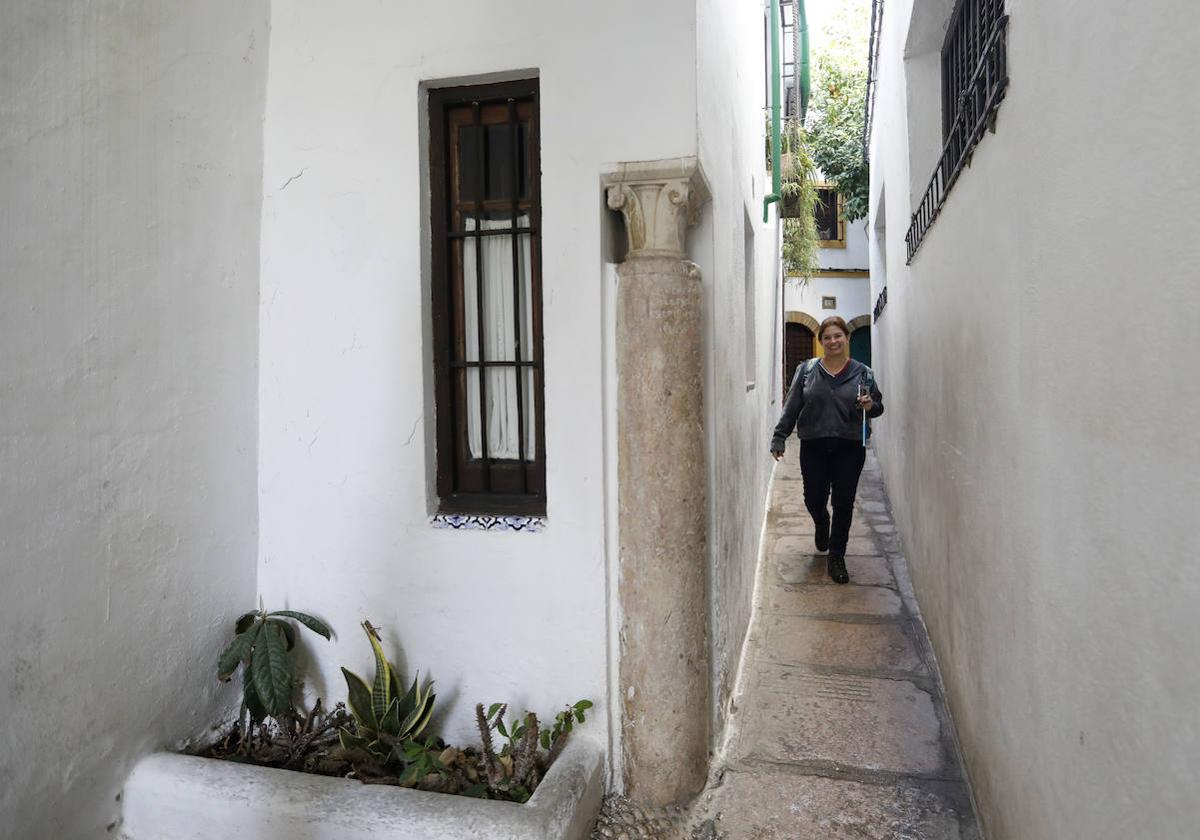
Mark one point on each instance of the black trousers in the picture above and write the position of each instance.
(832, 465)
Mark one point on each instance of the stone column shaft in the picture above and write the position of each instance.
(662, 478)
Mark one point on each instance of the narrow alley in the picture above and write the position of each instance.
(841, 730)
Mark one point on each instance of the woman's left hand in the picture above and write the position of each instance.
(865, 402)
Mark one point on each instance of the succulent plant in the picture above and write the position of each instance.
(385, 717)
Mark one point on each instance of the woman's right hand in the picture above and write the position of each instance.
(778, 456)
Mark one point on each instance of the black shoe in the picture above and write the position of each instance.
(837, 569)
(821, 538)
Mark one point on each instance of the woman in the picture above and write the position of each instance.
(826, 403)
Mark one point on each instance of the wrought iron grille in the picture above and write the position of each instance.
(974, 81)
(872, 71)
(880, 304)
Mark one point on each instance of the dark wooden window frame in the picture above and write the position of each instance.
(468, 484)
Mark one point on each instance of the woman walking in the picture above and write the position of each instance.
(828, 403)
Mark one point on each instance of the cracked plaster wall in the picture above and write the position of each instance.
(130, 159)
(1040, 444)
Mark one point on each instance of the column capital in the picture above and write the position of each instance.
(659, 199)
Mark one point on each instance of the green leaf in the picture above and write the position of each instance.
(289, 632)
(271, 672)
(360, 700)
(244, 621)
(314, 624)
(423, 721)
(238, 649)
(408, 703)
(545, 739)
(584, 704)
(579, 715)
(254, 705)
(381, 689)
(350, 741)
(500, 727)
(390, 722)
(411, 774)
(492, 709)
(478, 790)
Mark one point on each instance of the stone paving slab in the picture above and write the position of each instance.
(777, 804)
(800, 540)
(823, 601)
(845, 720)
(788, 525)
(840, 732)
(811, 568)
(797, 640)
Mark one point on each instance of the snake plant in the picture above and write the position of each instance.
(385, 716)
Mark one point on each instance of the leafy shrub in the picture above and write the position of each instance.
(260, 646)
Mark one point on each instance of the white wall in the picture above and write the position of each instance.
(853, 256)
(853, 296)
(1040, 444)
(346, 416)
(738, 418)
(130, 158)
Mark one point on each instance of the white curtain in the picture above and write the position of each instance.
(499, 334)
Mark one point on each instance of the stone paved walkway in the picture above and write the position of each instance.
(840, 730)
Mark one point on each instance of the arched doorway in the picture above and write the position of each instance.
(860, 339)
(798, 344)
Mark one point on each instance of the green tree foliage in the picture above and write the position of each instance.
(800, 241)
(838, 102)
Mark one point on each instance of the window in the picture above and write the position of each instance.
(974, 73)
(787, 44)
(831, 226)
(828, 302)
(487, 293)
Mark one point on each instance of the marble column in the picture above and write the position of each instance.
(662, 478)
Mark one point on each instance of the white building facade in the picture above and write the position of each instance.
(294, 335)
(1039, 443)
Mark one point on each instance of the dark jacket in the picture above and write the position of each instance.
(822, 406)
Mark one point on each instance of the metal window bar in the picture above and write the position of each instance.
(872, 75)
(975, 103)
(516, 272)
(480, 186)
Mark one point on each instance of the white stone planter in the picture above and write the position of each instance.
(179, 797)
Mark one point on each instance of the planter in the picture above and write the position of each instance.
(180, 797)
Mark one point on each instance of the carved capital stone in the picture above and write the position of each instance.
(659, 199)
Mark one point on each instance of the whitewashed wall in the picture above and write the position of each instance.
(1040, 443)
(346, 411)
(738, 416)
(853, 256)
(130, 159)
(853, 296)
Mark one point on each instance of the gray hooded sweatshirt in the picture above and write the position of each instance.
(819, 405)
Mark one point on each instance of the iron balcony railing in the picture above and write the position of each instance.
(977, 101)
